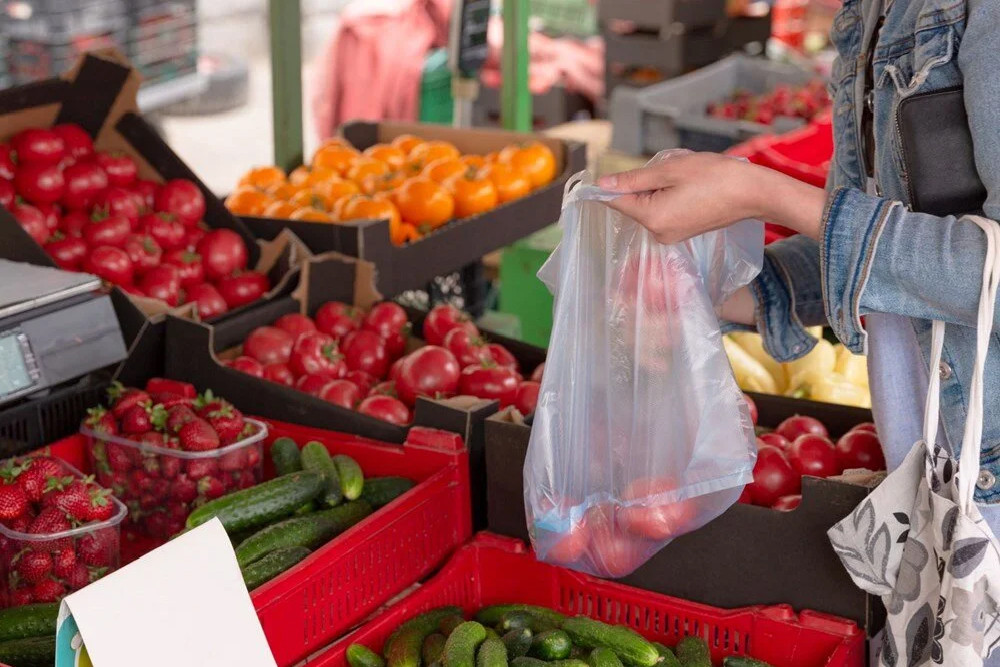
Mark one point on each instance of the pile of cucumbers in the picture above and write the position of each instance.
(315, 497)
(28, 635)
(523, 635)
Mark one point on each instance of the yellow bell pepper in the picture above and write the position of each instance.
(754, 345)
(854, 367)
(837, 389)
(815, 332)
(821, 359)
(750, 374)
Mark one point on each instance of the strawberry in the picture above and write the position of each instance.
(247, 480)
(21, 597)
(165, 386)
(177, 417)
(13, 501)
(151, 465)
(78, 577)
(171, 400)
(97, 549)
(48, 465)
(198, 468)
(157, 525)
(101, 421)
(227, 422)
(49, 520)
(74, 500)
(184, 489)
(119, 457)
(149, 501)
(33, 566)
(21, 523)
(170, 467)
(211, 487)
(253, 456)
(125, 398)
(33, 481)
(153, 439)
(101, 508)
(48, 590)
(63, 562)
(208, 402)
(136, 420)
(235, 460)
(198, 436)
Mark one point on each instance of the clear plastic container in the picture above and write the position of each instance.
(44, 567)
(161, 486)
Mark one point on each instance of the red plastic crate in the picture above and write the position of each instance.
(344, 581)
(804, 153)
(494, 569)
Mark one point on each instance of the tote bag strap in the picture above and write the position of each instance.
(968, 466)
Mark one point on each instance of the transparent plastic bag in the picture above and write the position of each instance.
(640, 433)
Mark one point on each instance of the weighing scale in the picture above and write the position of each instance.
(55, 326)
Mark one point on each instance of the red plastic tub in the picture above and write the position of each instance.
(803, 154)
(344, 581)
(494, 569)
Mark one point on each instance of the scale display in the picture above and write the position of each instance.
(14, 374)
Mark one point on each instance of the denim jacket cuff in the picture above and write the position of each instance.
(852, 225)
(990, 460)
(784, 336)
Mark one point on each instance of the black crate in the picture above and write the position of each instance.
(662, 14)
(551, 108)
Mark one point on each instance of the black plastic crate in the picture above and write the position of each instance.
(663, 14)
(553, 107)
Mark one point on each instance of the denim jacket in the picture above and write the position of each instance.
(875, 255)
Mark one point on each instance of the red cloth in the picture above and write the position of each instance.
(372, 66)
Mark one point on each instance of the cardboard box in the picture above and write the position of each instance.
(457, 243)
(749, 555)
(99, 94)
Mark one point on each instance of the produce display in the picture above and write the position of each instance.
(165, 450)
(784, 100)
(828, 373)
(524, 635)
(27, 635)
(359, 360)
(59, 530)
(91, 212)
(417, 185)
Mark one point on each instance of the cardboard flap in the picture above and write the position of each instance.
(336, 277)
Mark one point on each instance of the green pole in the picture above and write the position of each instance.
(515, 109)
(286, 81)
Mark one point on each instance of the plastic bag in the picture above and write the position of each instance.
(640, 433)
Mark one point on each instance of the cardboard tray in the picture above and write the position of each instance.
(749, 555)
(99, 94)
(457, 243)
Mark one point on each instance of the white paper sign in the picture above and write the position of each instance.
(182, 604)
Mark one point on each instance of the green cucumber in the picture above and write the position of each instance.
(492, 634)
(602, 656)
(626, 644)
(352, 480)
(460, 648)
(433, 648)
(31, 620)
(515, 620)
(492, 615)
(578, 653)
(449, 623)
(743, 661)
(262, 504)
(380, 491)
(271, 565)
(362, 656)
(669, 659)
(403, 647)
(550, 645)
(693, 652)
(492, 653)
(29, 651)
(286, 456)
(316, 458)
(517, 642)
(309, 531)
(535, 662)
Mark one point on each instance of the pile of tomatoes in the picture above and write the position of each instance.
(800, 102)
(358, 360)
(800, 446)
(417, 185)
(91, 212)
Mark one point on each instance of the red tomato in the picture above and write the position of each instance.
(39, 183)
(365, 351)
(193, 236)
(295, 324)
(167, 232)
(490, 382)
(570, 547)
(121, 202)
(32, 221)
(7, 165)
(752, 407)
(144, 252)
(651, 516)
(337, 319)
(209, 302)
(387, 388)
(109, 230)
(385, 408)
(52, 215)
(67, 251)
(84, 181)
(526, 397)
(429, 371)
(188, 265)
(76, 141)
(614, 554)
(120, 168)
(247, 365)
(363, 380)
(269, 345)
(536, 375)
(317, 354)
(443, 318)
(37, 146)
(183, 199)
(147, 191)
(745, 497)
(775, 440)
(73, 223)
(860, 449)
(242, 288)
(798, 425)
(394, 369)
(787, 503)
(387, 319)
(502, 356)
(341, 392)
(279, 373)
(814, 455)
(467, 347)
(109, 263)
(865, 426)
(222, 252)
(312, 383)
(773, 477)
(162, 282)
(7, 193)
